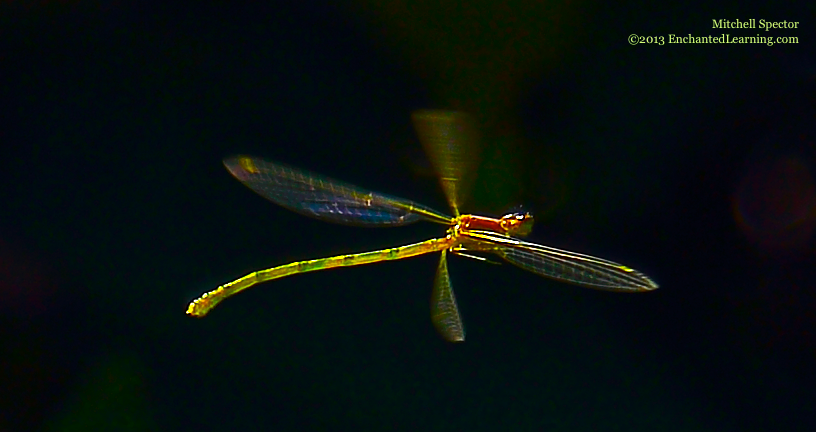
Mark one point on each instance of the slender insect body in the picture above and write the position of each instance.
(444, 135)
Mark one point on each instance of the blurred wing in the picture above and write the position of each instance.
(583, 270)
(323, 198)
(451, 140)
(444, 312)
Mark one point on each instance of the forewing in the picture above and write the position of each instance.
(579, 269)
(324, 198)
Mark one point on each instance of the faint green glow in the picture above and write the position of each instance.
(479, 55)
(111, 397)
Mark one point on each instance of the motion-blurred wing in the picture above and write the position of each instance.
(444, 312)
(451, 140)
(324, 198)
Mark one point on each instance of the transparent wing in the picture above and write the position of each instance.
(444, 312)
(579, 269)
(451, 140)
(324, 198)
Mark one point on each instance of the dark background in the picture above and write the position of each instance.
(692, 163)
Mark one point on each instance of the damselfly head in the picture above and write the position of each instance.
(518, 224)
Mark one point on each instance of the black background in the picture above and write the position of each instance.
(690, 162)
